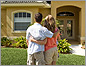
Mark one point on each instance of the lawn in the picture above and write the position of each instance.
(16, 56)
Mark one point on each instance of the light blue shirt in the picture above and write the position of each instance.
(38, 32)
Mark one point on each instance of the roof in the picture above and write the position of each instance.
(14, 2)
(25, 3)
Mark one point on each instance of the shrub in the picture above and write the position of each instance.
(5, 42)
(63, 46)
(57, 23)
(20, 42)
(83, 45)
(42, 21)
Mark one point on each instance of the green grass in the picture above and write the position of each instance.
(15, 56)
(71, 59)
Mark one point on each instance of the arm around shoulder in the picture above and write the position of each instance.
(41, 42)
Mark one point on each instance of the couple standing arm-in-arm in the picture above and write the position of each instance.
(41, 42)
(36, 38)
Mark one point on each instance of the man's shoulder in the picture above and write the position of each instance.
(29, 27)
(44, 28)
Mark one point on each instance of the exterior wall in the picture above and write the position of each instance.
(79, 4)
(45, 11)
(82, 38)
(4, 23)
(8, 14)
(78, 7)
(10, 20)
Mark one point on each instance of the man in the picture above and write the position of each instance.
(38, 32)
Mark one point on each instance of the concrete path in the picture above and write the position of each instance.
(77, 50)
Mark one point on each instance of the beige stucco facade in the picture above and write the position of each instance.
(76, 7)
(8, 19)
(3, 22)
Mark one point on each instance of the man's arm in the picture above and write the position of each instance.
(41, 42)
(27, 36)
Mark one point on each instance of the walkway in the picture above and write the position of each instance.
(77, 50)
(76, 46)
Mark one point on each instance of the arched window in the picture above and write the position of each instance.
(21, 20)
(65, 14)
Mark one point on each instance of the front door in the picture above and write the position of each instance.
(66, 28)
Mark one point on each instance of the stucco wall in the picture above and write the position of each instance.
(9, 18)
(4, 23)
(79, 4)
(45, 11)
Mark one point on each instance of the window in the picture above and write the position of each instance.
(21, 21)
(65, 14)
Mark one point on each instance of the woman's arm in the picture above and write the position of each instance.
(56, 33)
(41, 42)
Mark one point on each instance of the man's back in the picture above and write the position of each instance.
(38, 32)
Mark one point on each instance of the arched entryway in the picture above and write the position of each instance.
(68, 18)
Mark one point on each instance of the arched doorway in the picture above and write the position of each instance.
(68, 18)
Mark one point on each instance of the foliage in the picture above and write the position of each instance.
(83, 43)
(42, 21)
(20, 42)
(5, 41)
(57, 23)
(63, 46)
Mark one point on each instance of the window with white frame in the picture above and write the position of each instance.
(21, 21)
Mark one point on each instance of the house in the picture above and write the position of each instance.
(17, 15)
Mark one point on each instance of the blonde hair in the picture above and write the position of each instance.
(50, 23)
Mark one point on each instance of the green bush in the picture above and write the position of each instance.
(83, 43)
(20, 42)
(42, 21)
(5, 42)
(63, 46)
(57, 23)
